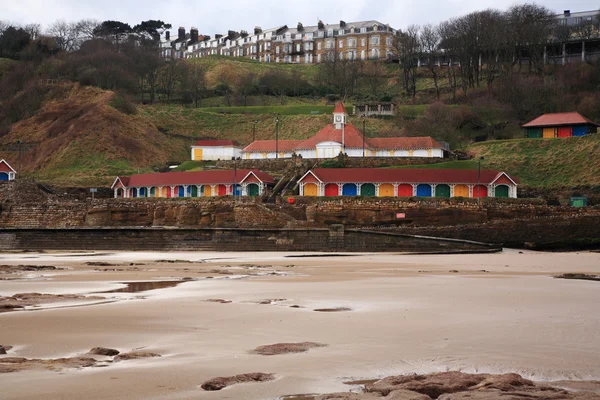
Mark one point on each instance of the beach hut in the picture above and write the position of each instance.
(560, 125)
(407, 182)
(7, 173)
(193, 184)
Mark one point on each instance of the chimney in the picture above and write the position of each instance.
(167, 36)
(300, 27)
(567, 13)
(321, 25)
(257, 30)
(231, 34)
(342, 24)
(181, 33)
(218, 36)
(194, 35)
(243, 34)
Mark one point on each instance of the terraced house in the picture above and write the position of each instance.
(360, 40)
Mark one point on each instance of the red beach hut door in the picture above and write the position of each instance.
(565, 131)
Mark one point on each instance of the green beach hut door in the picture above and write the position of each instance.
(253, 189)
(534, 133)
(367, 189)
(442, 191)
(501, 191)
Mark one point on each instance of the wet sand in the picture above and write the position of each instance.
(408, 314)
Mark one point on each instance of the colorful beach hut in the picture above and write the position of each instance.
(193, 184)
(407, 182)
(560, 125)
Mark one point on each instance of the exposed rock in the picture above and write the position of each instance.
(2, 350)
(21, 300)
(454, 271)
(222, 301)
(222, 382)
(103, 351)
(462, 386)
(585, 277)
(406, 395)
(100, 264)
(336, 309)
(14, 364)
(134, 355)
(433, 385)
(286, 348)
(11, 269)
(270, 301)
(348, 396)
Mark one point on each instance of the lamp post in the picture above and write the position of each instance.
(364, 134)
(277, 137)
(478, 180)
(254, 131)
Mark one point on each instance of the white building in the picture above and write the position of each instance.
(341, 137)
(204, 150)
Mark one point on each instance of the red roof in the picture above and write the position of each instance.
(352, 137)
(569, 118)
(5, 167)
(404, 175)
(403, 143)
(339, 108)
(215, 142)
(270, 145)
(192, 178)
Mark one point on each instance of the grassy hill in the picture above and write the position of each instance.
(81, 136)
(84, 136)
(545, 162)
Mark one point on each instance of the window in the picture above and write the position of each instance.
(578, 20)
(341, 55)
(318, 58)
(363, 42)
(341, 44)
(363, 30)
(375, 40)
(298, 47)
(388, 41)
(330, 32)
(319, 46)
(362, 55)
(277, 50)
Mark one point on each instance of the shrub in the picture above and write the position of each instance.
(120, 103)
(333, 163)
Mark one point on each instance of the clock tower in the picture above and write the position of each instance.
(339, 115)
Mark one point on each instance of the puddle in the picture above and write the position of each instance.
(299, 397)
(84, 255)
(135, 287)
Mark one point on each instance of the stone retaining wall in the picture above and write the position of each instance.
(156, 239)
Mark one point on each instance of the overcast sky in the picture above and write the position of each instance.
(212, 17)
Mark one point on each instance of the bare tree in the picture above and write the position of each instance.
(430, 40)
(193, 82)
(374, 75)
(407, 47)
(65, 35)
(168, 77)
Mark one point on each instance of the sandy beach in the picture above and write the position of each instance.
(494, 313)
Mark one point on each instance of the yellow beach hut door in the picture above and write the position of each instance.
(310, 189)
(197, 154)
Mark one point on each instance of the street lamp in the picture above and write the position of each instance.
(478, 180)
(277, 137)
(254, 131)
